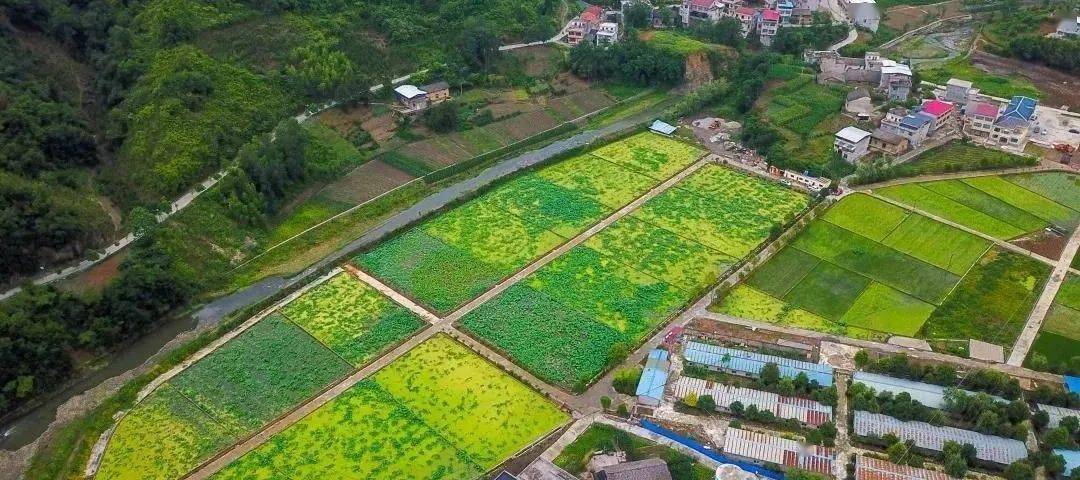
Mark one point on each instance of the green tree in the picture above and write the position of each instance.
(637, 15)
(707, 403)
(955, 465)
(605, 402)
(770, 374)
(1020, 470)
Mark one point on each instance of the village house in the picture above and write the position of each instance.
(957, 90)
(940, 112)
(608, 33)
(785, 7)
(895, 80)
(1013, 126)
(411, 98)
(701, 10)
(979, 118)
(889, 77)
(768, 24)
(852, 143)
(801, 16)
(745, 16)
(914, 127)
(888, 143)
(583, 27)
(859, 102)
(1068, 28)
(437, 92)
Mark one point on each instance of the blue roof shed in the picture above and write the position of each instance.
(650, 389)
(1072, 459)
(750, 363)
(1072, 384)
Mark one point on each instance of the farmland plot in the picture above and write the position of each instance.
(451, 259)
(1058, 342)
(163, 438)
(567, 321)
(650, 154)
(1063, 188)
(263, 372)
(352, 318)
(921, 278)
(439, 411)
(936, 204)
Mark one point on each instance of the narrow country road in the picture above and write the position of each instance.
(1042, 306)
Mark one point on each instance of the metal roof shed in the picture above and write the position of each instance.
(1072, 384)
(989, 448)
(870, 468)
(1072, 458)
(749, 364)
(650, 388)
(805, 411)
(772, 449)
(1056, 414)
(663, 128)
(932, 396)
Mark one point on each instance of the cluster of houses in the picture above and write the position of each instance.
(892, 79)
(981, 118)
(593, 25)
(772, 451)
(765, 21)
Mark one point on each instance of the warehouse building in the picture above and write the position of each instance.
(749, 364)
(870, 468)
(990, 449)
(805, 411)
(763, 449)
(1056, 414)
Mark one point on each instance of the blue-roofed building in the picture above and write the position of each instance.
(749, 364)
(785, 8)
(1072, 384)
(1072, 459)
(915, 126)
(650, 389)
(1013, 126)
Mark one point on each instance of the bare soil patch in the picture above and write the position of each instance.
(95, 278)
(908, 17)
(343, 119)
(1059, 88)
(366, 182)
(1042, 243)
(537, 60)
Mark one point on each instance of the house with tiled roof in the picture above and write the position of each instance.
(940, 111)
(693, 11)
(585, 25)
(1013, 126)
(745, 16)
(768, 25)
(979, 118)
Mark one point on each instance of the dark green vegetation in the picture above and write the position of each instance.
(979, 411)
(631, 61)
(599, 437)
(952, 157)
(1015, 32)
(989, 381)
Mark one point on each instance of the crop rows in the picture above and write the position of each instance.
(454, 257)
(574, 317)
(868, 266)
(273, 366)
(439, 411)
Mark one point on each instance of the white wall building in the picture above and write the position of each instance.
(852, 143)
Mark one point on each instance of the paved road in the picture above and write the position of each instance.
(215, 311)
(1042, 307)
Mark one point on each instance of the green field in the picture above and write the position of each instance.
(569, 321)
(352, 318)
(1058, 342)
(270, 368)
(452, 258)
(920, 278)
(439, 411)
(1002, 207)
(806, 115)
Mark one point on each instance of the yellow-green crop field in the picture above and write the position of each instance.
(269, 369)
(569, 321)
(449, 260)
(439, 411)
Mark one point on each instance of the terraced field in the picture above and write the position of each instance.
(269, 369)
(454, 257)
(869, 269)
(439, 411)
(574, 317)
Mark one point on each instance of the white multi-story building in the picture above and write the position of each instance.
(768, 24)
(607, 33)
(852, 143)
(745, 16)
(979, 118)
(957, 90)
(701, 10)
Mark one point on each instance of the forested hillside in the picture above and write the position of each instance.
(156, 96)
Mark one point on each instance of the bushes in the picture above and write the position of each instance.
(626, 380)
(630, 61)
(989, 381)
